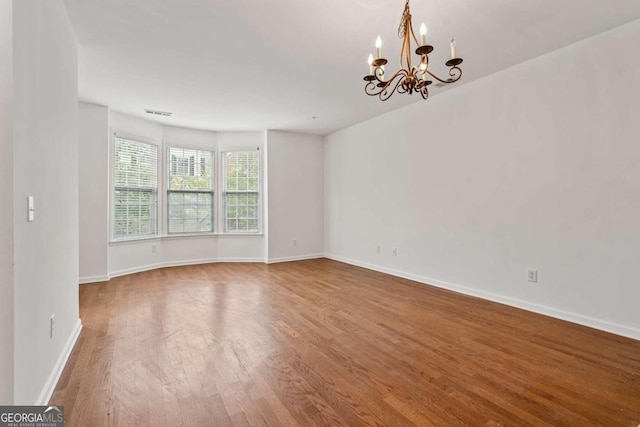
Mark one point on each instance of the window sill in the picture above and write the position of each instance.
(181, 236)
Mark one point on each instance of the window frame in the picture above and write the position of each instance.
(163, 163)
(222, 191)
(167, 189)
(112, 190)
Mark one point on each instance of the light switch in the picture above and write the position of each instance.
(31, 211)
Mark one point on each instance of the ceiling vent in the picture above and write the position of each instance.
(158, 113)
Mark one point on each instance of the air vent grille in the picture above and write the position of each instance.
(158, 113)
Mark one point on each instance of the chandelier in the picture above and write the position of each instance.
(408, 79)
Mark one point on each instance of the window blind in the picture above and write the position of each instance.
(135, 210)
(241, 193)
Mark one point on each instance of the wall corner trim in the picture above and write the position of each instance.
(54, 377)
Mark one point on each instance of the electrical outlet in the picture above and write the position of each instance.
(153, 248)
(295, 242)
(395, 251)
(377, 249)
(532, 276)
(52, 326)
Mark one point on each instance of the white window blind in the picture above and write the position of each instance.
(241, 193)
(190, 192)
(135, 208)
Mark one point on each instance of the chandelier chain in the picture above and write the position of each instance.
(406, 18)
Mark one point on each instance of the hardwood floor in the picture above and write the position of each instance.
(324, 343)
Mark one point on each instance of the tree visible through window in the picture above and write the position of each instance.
(241, 195)
(135, 210)
(190, 191)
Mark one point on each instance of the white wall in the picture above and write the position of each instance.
(6, 207)
(533, 167)
(296, 195)
(45, 166)
(93, 131)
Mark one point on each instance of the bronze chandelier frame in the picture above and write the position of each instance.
(408, 79)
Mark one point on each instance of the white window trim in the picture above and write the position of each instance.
(215, 209)
(221, 213)
(112, 144)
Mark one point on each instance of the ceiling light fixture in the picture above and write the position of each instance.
(408, 79)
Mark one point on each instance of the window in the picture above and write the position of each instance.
(241, 195)
(135, 207)
(189, 191)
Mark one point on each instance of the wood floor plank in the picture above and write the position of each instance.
(323, 343)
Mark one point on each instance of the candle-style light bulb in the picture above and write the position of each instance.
(379, 46)
(370, 62)
(453, 48)
(423, 34)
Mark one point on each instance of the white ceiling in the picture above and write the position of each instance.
(258, 64)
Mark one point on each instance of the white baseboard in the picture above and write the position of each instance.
(209, 261)
(614, 328)
(186, 262)
(54, 377)
(293, 258)
(155, 266)
(240, 260)
(133, 270)
(94, 279)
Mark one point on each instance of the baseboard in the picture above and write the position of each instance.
(54, 377)
(293, 258)
(155, 266)
(94, 279)
(186, 262)
(240, 260)
(134, 270)
(579, 319)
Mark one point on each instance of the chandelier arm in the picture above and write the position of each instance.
(454, 72)
(401, 72)
(379, 74)
(372, 88)
(385, 94)
(407, 51)
(424, 92)
(415, 39)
